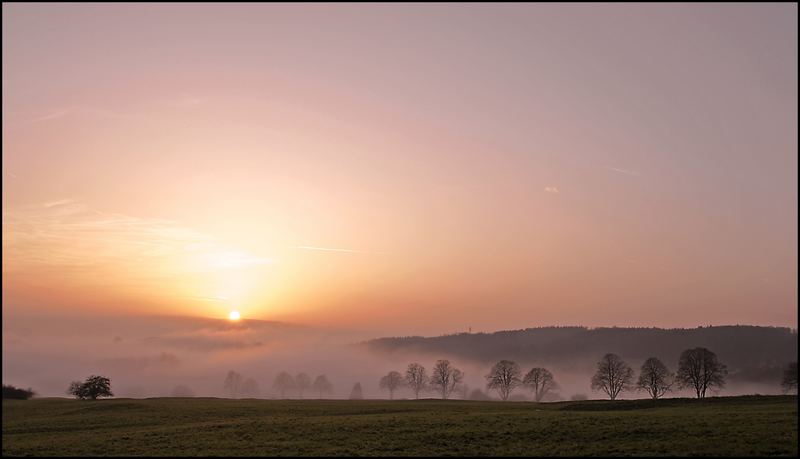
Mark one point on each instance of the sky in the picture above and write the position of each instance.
(401, 169)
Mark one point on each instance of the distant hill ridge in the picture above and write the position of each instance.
(752, 353)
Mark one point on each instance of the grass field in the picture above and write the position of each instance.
(736, 426)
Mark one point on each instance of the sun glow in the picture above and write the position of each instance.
(234, 315)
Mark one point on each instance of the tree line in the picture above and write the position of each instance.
(699, 369)
(753, 354)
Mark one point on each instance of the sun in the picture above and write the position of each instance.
(234, 315)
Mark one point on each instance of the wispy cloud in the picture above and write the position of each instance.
(623, 171)
(210, 298)
(60, 202)
(65, 232)
(57, 113)
(328, 249)
(551, 189)
(68, 233)
(51, 116)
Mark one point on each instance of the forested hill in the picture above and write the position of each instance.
(751, 352)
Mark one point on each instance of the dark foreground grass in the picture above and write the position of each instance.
(735, 426)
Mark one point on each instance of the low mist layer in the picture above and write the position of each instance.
(153, 356)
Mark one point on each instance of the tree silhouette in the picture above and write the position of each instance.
(540, 381)
(699, 369)
(655, 378)
(504, 377)
(283, 382)
(15, 393)
(322, 385)
(613, 376)
(445, 378)
(416, 378)
(391, 382)
(789, 381)
(233, 383)
(92, 388)
(356, 393)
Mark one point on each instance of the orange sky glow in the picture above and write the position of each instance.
(402, 168)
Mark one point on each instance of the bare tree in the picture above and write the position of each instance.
(391, 382)
(699, 369)
(504, 376)
(416, 378)
(283, 382)
(356, 393)
(445, 378)
(250, 388)
(303, 383)
(655, 378)
(540, 381)
(613, 376)
(322, 385)
(789, 382)
(233, 383)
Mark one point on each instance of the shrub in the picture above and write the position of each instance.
(16, 393)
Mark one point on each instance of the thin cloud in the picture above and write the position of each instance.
(60, 202)
(74, 111)
(623, 171)
(51, 116)
(68, 233)
(551, 189)
(328, 249)
(209, 298)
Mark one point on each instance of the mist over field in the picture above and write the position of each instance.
(149, 356)
(226, 225)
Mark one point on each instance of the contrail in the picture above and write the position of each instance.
(622, 171)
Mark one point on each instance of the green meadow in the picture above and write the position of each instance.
(724, 426)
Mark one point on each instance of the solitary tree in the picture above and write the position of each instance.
(283, 382)
(303, 382)
(391, 382)
(699, 369)
(445, 378)
(182, 391)
(233, 383)
(356, 393)
(789, 382)
(93, 388)
(322, 385)
(655, 378)
(540, 381)
(250, 388)
(416, 378)
(504, 377)
(613, 375)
